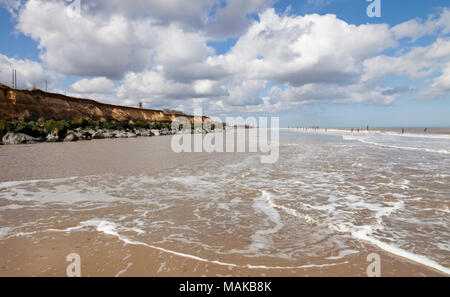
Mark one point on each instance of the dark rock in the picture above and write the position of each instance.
(98, 135)
(83, 135)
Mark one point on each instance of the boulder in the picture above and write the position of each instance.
(108, 135)
(147, 133)
(71, 137)
(155, 132)
(121, 134)
(131, 135)
(166, 132)
(83, 135)
(98, 135)
(18, 138)
(52, 138)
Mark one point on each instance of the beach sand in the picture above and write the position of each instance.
(105, 255)
(37, 239)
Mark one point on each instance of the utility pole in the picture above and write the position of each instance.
(46, 85)
(14, 79)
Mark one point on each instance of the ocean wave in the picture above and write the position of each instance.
(423, 149)
(363, 233)
(391, 139)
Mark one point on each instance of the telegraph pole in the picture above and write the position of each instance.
(14, 79)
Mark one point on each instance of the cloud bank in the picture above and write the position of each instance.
(157, 52)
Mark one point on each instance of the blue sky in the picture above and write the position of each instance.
(208, 55)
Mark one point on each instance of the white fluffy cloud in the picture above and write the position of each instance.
(29, 73)
(110, 44)
(94, 85)
(157, 52)
(153, 86)
(90, 46)
(185, 55)
(301, 50)
(417, 28)
(245, 93)
(439, 86)
(443, 81)
(231, 20)
(418, 63)
(428, 63)
(218, 18)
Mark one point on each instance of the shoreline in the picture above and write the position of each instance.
(442, 132)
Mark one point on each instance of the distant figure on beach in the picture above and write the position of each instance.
(367, 128)
(352, 130)
(403, 130)
(425, 130)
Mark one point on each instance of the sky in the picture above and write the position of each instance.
(308, 62)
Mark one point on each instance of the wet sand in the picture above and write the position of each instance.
(103, 255)
(42, 252)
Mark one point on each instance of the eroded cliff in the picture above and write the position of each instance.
(27, 105)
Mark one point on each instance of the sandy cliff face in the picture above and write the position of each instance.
(32, 105)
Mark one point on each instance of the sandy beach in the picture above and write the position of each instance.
(103, 255)
(132, 207)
